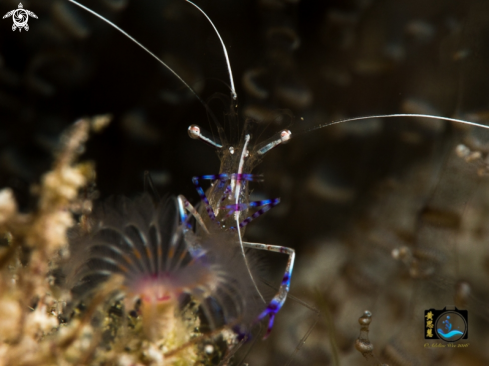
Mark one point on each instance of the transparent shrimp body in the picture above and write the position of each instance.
(229, 197)
(226, 207)
(227, 200)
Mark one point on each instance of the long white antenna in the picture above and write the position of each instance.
(139, 44)
(236, 213)
(233, 90)
(398, 115)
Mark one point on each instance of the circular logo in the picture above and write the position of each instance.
(451, 326)
(20, 18)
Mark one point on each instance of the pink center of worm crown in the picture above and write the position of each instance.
(154, 288)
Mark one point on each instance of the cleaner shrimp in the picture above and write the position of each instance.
(228, 198)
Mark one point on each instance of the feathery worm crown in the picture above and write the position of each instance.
(146, 244)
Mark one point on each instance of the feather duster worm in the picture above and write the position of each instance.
(164, 264)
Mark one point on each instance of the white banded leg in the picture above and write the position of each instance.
(185, 205)
(279, 299)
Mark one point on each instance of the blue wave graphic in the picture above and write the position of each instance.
(449, 334)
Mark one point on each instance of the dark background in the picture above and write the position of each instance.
(351, 193)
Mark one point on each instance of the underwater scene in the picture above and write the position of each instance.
(149, 214)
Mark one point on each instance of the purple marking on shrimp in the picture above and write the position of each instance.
(286, 279)
(237, 176)
(260, 212)
(221, 177)
(268, 204)
(203, 197)
(271, 310)
(226, 193)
